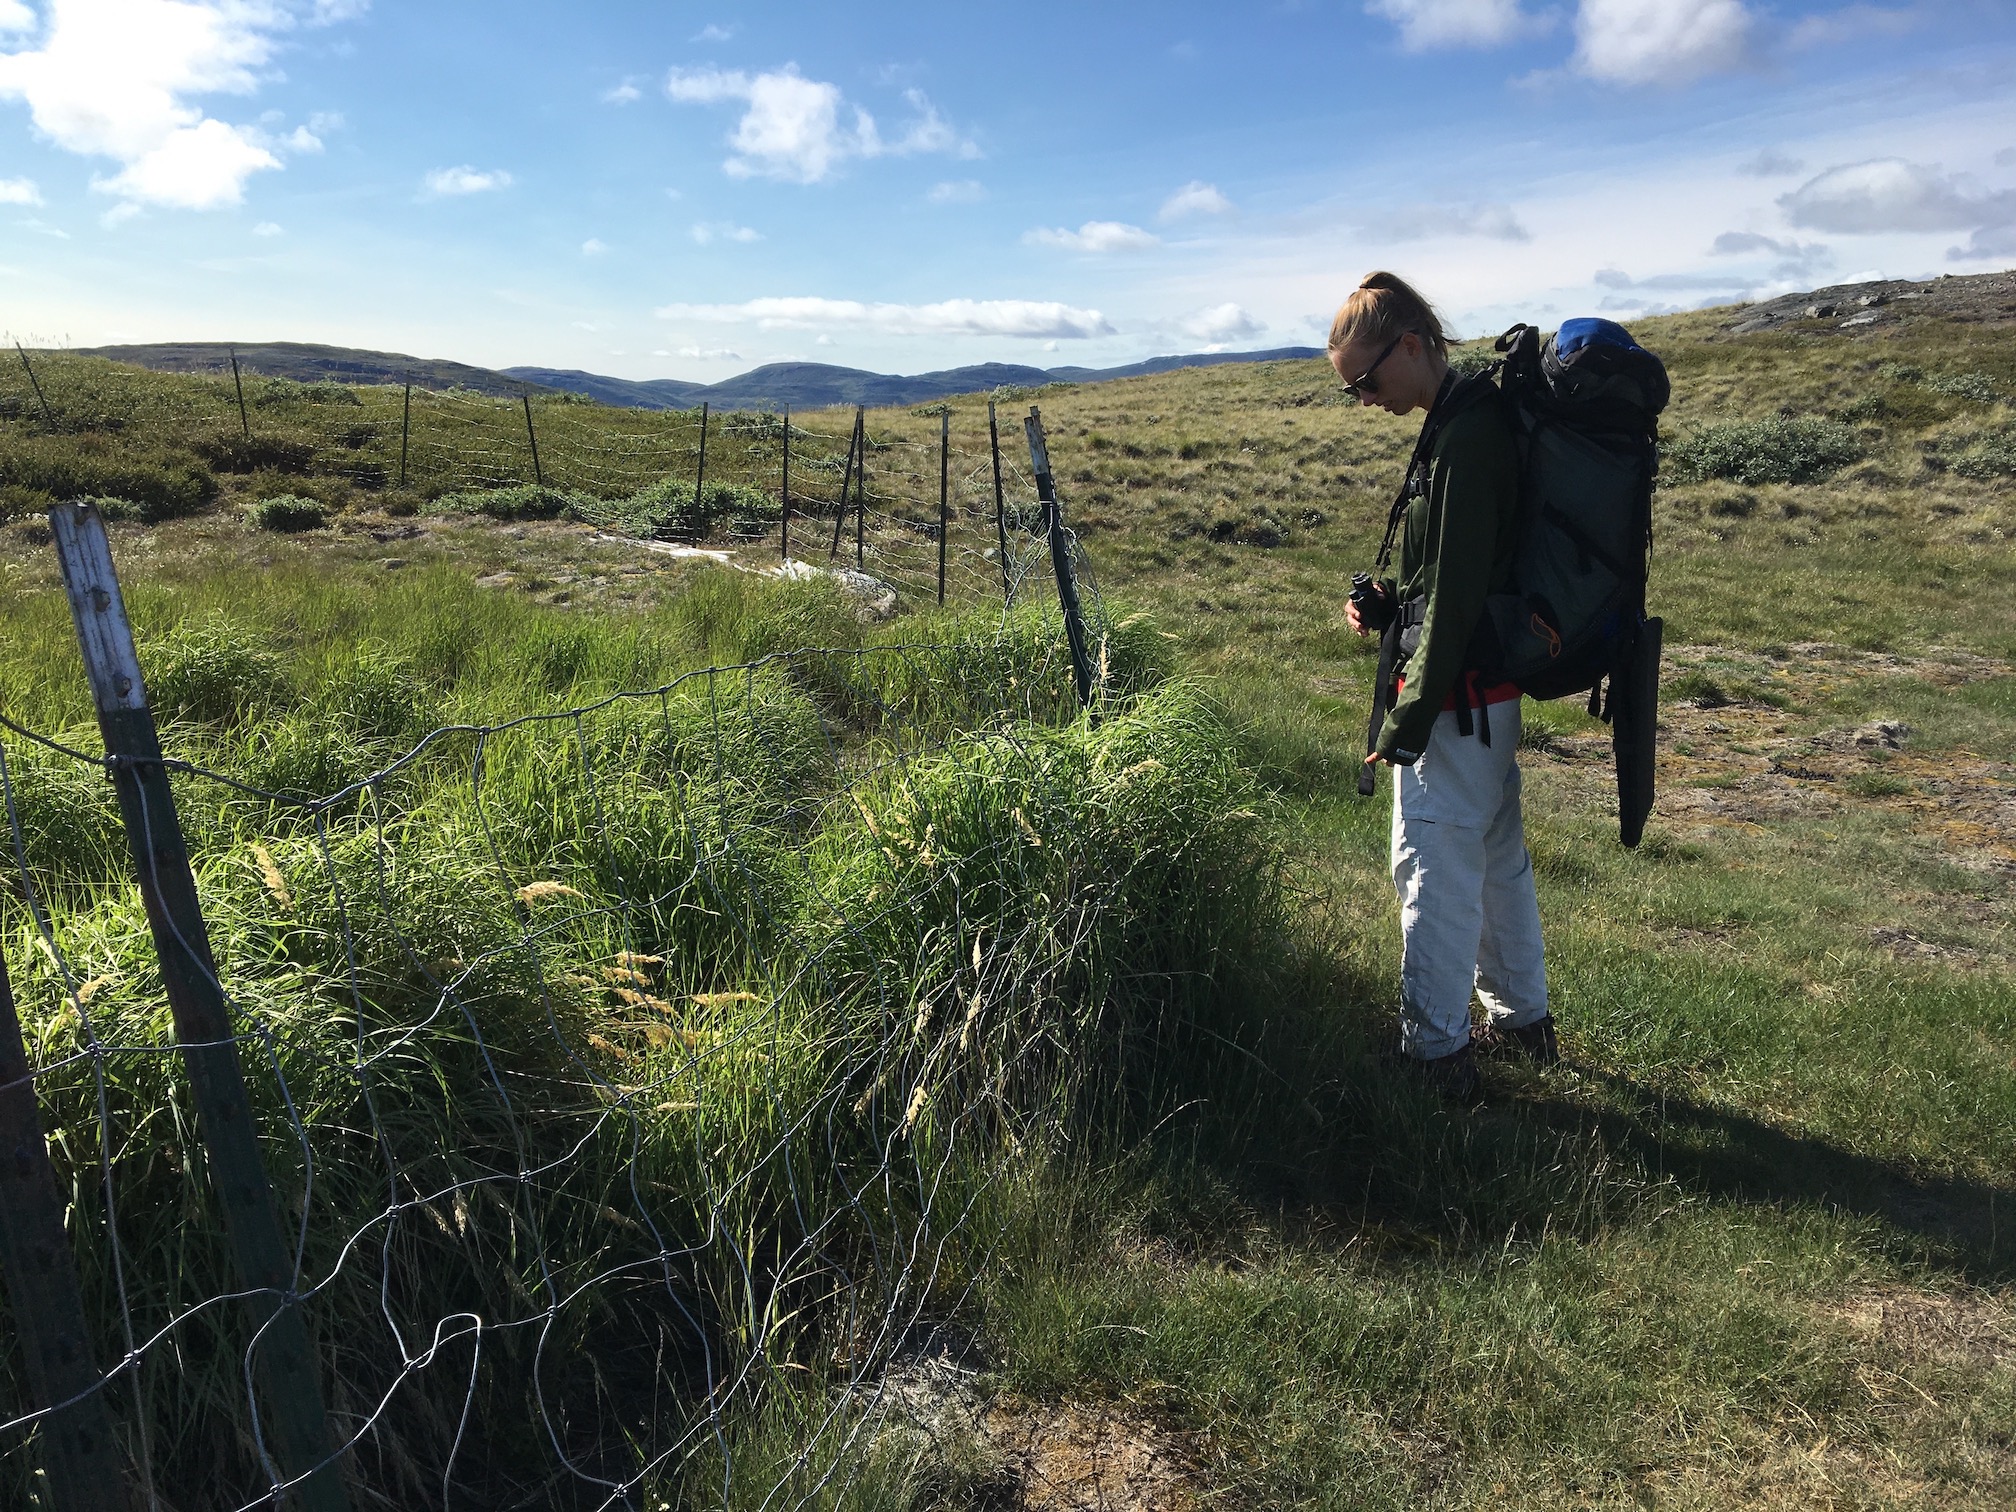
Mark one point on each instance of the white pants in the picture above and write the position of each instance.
(1468, 914)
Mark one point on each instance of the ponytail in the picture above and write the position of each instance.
(1385, 306)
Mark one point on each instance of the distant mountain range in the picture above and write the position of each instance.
(798, 385)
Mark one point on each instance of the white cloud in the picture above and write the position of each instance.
(625, 93)
(329, 12)
(1890, 194)
(1193, 199)
(1221, 323)
(1769, 162)
(1660, 41)
(19, 191)
(464, 179)
(801, 130)
(594, 247)
(1795, 259)
(1032, 319)
(1426, 24)
(301, 139)
(267, 228)
(706, 233)
(116, 79)
(714, 32)
(710, 354)
(1428, 222)
(119, 214)
(957, 192)
(1094, 236)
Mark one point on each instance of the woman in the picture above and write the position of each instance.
(1468, 914)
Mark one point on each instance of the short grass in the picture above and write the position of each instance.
(1751, 1247)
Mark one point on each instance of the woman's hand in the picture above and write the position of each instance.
(1356, 620)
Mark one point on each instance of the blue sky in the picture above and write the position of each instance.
(678, 189)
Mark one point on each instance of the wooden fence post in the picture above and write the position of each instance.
(538, 473)
(700, 477)
(286, 1369)
(1000, 507)
(861, 489)
(846, 477)
(944, 492)
(1060, 556)
(784, 494)
(80, 1459)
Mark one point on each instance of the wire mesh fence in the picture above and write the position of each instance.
(630, 1082)
(880, 497)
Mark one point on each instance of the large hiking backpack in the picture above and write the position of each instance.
(1584, 406)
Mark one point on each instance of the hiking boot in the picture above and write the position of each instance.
(1454, 1076)
(1534, 1042)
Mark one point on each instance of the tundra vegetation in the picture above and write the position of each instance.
(1750, 1247)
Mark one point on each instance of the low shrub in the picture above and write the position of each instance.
(1978, 387)
(1975, 454)
(290, 391)
(233, 451)
(522, 501)
(288, 513)
(1775, 450)
(76, 467)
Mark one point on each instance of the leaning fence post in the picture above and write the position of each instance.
(80, 1459)
(36, 384)
(944, 492)
(846, 477)
(287, 1371)
(1000, 507)
(784, 494)
(1060, 556)
(538, 473)
(238, 383)
(405, 430)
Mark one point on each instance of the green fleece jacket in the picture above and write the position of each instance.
(1456, 547)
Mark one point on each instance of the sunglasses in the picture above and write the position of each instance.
(1368, 382)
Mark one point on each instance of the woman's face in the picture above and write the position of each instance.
(1398, 378)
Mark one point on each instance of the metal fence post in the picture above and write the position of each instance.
(405, 430)
(538, 473)
(861, 490)
(286, 1367)
(944, 492)
(1000, 507)
(700, 477)
(1060, 556)
(80, 1459)
(36, 384)
(846, 477)
(238, 383)
(784, 493)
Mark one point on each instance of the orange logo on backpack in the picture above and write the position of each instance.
(1546, 632)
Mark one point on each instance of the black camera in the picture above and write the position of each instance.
(1375, 609)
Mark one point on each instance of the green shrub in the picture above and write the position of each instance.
(522, 501)
(1764, 451)
(233, 451)
(1978, 387)
(287, 512)
(17, 502)
(210, 670)
(289, 391)
(75, 467)
(1976, 454)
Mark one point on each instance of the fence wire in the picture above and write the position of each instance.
(636, 1079)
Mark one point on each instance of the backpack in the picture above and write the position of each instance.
(1584, 408)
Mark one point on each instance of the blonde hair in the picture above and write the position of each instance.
(1385, 306)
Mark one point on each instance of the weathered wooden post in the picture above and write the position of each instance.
(861, 489)
(36, 384)
(405, 430)
(700, 478)
(846, 477)
(80, 1459)
(784, 493)
(284, 1364)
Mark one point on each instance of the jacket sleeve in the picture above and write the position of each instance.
(1473, 487)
